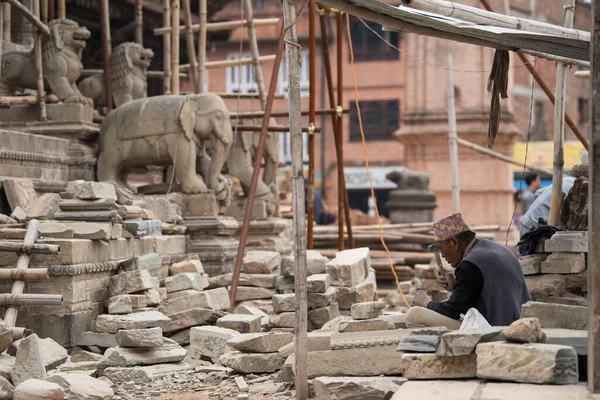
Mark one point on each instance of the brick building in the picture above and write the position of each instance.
(403, 106)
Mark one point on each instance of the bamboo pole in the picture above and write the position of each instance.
(260, 114)
(582, 74)
(1, 34)
(452, 136)
(220, 26)
(499, 156)
(21, 248)
(44, 11)
(312, 118)
(551, 57)
(237, 269)
(335, 125)
(106, 50)
(175, 17)
(189, 41)
(273, 128)
(34, 19)
(225, 95)
(559, 124)
(7, 299)
(50, 10)
(139, 22)
(342, 193)
(149, 74)
(202, 45)
(299, 220)
(10, 317)
(230, 63)
(253, 44)
(540, 81)
(167, 48)
(62, 9)
(39, 72)
(13, 274)
(6, 21)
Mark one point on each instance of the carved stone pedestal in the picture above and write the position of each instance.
(411, 206)
(212, 238)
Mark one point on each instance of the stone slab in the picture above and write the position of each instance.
(569, 242)
(253, 293)
(364, 325)
(210, 342)
(318, 283)
(242, 323)
(564, 263)
(360, 293)
(367, 388)
(442, 390)
(97, 339)
(139, 320)
(140, 228)
(367, 310)
(87, 190)
(149, 337)
(318, 317)
(130, 357)
(532, 264)
(120, 304)
(186, 281)
(255, 363)
(556, 315)
(38, 389)
(432, 366)
(268, 342)
(347, 269)
(130, 282)
(146, 261)
(192, 317)
(462, 343)
(568, 337)
(82, 386)
(261, 262)
(284, 303)
(316, 264)
(29, 362)
(20, 193)
(258, 280)
(191, 264)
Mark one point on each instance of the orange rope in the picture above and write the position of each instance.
(364, 145)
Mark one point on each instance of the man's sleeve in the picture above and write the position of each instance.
(466, 291)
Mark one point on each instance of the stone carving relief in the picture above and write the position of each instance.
(192, 133)
(129, 63)
(61, 58)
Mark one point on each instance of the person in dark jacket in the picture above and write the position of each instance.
(487, 277)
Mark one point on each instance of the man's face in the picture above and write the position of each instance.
(535, 185)
(449, 249)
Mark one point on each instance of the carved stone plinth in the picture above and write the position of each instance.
(55, 112)
(213, 239)
(268, 234)
(261, 210)
(410, 206)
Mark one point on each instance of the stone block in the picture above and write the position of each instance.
(210, 342)
(261, 262)
(153, 297)
(283, 320)
(130, 212)
(140, 228)
(525, 330)
(139, 320)
(318, 283)
(568, 242)
(347, 269)
(365, 325)
(44, 206)
(532, 263)
(252, 363)
(218, 299)
(55, 231)
(338, 388)
(147, 261)
(527, 363)
(173, 244)
(199, 205)
(284, 302)
(138, 301)
(564, 263)
(367, 310)
(267, 342)
(359, 253)
(91, 230)
(316, 341)
(425, 271)
(120, 375)
(182, 338)
(258, 280)
(29, 362)
(52, 353)
(87, 190)
(568, 337)
(315, 264)
(188, 265)
(96, 339)
(38, 389)
(150, 337)
(78, 355)
(360, 293)
(463, 343)
(320, 316)
(73, 251)
(240, 322)
(432, 366)
(20, 193)
(130, 282)
(6, 336)
(320, 300)
(556, 315)
(253, 293)
(191, 317)
(130, 357)
(161, 208)
(195, 299)
(120, 304)
(185, 281)
(82, 386)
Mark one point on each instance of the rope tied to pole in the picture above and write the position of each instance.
(498, 86)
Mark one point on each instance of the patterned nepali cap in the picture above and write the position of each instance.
(449, 227)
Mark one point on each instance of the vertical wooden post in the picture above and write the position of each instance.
(189, 41)
(62, 9)
(139, 22)
(342, 194)
(559, 123)
(44, 11)
(39, 72)
(1, 34)
(6, 18)
(312, 118)
(202, 46)
(50, 10)
(106, 49)
(167, 48)
(299, 218)
(175, 19)
(452, 136)
(253, 44)
(594, 210)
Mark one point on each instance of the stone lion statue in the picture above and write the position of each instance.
(128, 65)
(61, 60)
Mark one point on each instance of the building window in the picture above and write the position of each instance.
(380, 119)
(583, 110)
(368, 46)
(240, 78)
(304, 75)
(285, 148)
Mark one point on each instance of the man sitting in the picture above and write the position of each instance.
(488, 278)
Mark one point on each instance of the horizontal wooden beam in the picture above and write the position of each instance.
(149, 74)
(230, 63)
(36, 248)
(7, 299)
(260, 114)
(219, 26)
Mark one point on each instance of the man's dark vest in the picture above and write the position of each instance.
(504, 290)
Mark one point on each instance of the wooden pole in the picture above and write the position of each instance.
(260, 114)
(6, 21)
(7, 299)
(299, 219)
(175, 17)
(540, 81)
(189, 41)
(13, 274)
(312, 118)
(10, 317)
(593, 365)
(167, 48)
(255, 172)
(62, 9)
(253, 44)
(230, 63)
(106, 50)
(559, 124)
(335, 125)
(20, 248)
(221, 26)
(139, 22)
(1, 34)
(202, 46)
(452, 136)
(44, 11)
(50, 10)
(32, 17)
(37, 45)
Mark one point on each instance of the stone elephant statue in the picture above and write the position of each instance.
(61, 61)
(168, 130)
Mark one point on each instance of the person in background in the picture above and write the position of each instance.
(321, 216)
(534, 183)
(541, 206)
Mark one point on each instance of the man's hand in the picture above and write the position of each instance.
(421, 299)
(446, 281)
